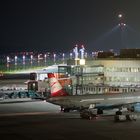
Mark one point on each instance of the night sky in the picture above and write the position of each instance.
(57, 25)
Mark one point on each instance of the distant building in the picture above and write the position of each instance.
(108, 54)
(107, 76)
(118, 72)
(130, 53)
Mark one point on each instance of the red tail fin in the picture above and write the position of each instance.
(55, 86)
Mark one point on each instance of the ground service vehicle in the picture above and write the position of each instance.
(88, 114)
(127, 117)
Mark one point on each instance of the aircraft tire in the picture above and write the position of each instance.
(118, 112)
(66, 110)
(90, 117)
(100, 111)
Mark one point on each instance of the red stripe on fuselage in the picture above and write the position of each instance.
(53, 84)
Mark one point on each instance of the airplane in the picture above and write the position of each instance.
(98, 101)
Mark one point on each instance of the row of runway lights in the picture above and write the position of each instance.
(77, 52)
(39, 57)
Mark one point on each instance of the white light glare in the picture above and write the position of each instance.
(120, 15)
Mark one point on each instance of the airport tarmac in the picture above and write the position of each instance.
(42, 120)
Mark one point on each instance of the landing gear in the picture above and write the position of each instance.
(64, 109)
(132, 109)
(100, 111)
(118, 112)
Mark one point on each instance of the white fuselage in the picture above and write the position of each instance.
(96, 99)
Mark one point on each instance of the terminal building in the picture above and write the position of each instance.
(96, 75)
(110, 75)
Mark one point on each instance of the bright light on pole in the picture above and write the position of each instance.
(54, 57)
(15, 59)
(70, 55)
(120, 16)
(82, 50)
(23, 57)
(31, 57)
(8, 59)
(45, 56)
(63, 57)
(38, 56)
(75, 50)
